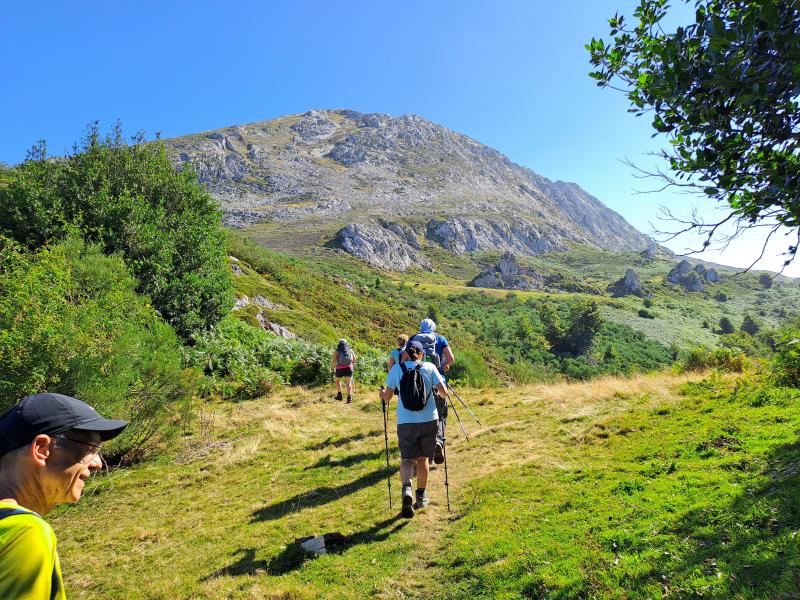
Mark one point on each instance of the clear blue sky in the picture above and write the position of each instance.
(512, 74)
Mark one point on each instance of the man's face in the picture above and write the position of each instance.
(70, 464)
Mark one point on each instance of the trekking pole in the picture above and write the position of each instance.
(453, 406)
(465, 404)
(446, 478)
(386, 440)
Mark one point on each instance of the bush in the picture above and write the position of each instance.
(700, 358)
(749, 325)
(470, 369)
(786, 364)
(243, 361)
(132, 201)
(574, 333)
(646, 314)
(726, 326)
(71, 322)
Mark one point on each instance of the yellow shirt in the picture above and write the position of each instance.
(29, 568)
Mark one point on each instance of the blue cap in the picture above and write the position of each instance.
(427, 326)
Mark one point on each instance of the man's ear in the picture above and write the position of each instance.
(40, 448)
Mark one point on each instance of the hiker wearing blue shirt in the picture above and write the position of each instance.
(440, 354)
(417, 420)
(396, 353)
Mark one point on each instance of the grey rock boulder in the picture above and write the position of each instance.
(711, 275)
(388, 246)
(508, 274)
(629, 285)
(692, 283)
(676, 274)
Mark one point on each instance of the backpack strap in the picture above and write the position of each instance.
(10, 512)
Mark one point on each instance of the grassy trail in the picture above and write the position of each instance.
(220, 519)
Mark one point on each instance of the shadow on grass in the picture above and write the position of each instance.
(747, 549)
(294, 556)
(333, 442)
(318, 497)
(347, 461)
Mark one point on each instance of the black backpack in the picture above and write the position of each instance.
(412, 388)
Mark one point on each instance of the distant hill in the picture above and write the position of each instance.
(399, 183)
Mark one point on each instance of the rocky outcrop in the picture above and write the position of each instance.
(508, 274)
(327, 168)
(462, 235)
(382, 244)
(260, 301)
(629, 285)
(677, 273)
(690, 278)
(275, 328)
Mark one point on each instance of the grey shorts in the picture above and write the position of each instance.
(417, 439)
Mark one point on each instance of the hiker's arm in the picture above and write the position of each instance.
(442, 389)
(386, 394)
(333, 362)
(447, 353)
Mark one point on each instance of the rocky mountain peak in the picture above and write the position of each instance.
(327, 169)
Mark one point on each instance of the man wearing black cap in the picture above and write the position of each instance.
(49, 446)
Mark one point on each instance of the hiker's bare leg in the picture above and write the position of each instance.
(349, 386)
(407, 470)
(339, 385)
(422, 472)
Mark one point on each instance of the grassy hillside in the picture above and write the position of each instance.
(613, 488)
(498, 334)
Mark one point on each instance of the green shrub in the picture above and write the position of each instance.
(574, 332)
(245, 361)
(646, 314)
(786, 364)
(749, 325)
(71, 322)
(470, 369)
(132, 201)
(700, 358)
(726, 326)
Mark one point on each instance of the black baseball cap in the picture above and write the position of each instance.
(52, 414)
(415, 345)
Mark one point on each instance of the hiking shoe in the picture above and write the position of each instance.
(438, 454)
(339, 396)
(349, 399)
(422, 499)
(408, 503)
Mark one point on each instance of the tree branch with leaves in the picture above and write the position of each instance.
(724, 91)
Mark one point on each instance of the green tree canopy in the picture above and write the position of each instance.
(574, 332)
(724, 89)
(132, 201)
(726, 325)
(749, 325)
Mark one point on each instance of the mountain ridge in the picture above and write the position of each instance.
(330, 169)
